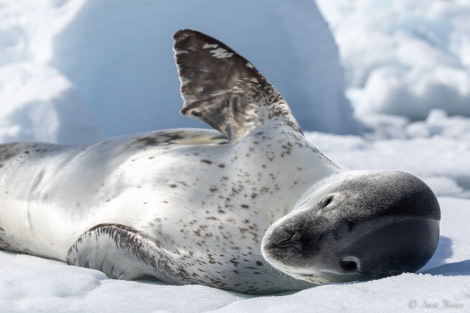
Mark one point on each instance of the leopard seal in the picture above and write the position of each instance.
(251, 206)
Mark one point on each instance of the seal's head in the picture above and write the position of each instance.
(356, 225)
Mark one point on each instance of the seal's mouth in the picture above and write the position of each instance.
(351, 272)
(315, 279)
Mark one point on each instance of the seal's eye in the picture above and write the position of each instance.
(325, 202)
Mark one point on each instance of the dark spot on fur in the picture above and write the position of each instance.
(206, 161)
(235, 263)
(350, 225)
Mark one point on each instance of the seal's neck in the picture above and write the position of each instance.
(292, 164)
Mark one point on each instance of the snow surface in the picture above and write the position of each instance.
(79, 70)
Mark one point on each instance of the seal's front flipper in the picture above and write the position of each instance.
(118, 251)
(223, 89)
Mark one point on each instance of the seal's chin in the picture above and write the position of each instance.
(314, 278)
(326, 277)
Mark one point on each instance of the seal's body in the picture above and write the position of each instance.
(187, 192)
(235, 209)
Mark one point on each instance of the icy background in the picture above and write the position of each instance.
(404, 57)
(377, 85)
(115, 62)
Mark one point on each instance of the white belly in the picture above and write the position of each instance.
(52, 194)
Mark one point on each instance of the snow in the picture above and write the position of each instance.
(38, 103)
(436, 150)
(80, 70)
(118, 59)
(404, 57)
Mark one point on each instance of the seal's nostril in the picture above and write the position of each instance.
(350, 264)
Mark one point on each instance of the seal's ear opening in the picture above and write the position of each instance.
(223, 89)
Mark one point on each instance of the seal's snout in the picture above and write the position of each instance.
(391, 247)
(362, 226)
(401, 231)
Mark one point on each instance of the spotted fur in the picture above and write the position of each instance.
(223, 89)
